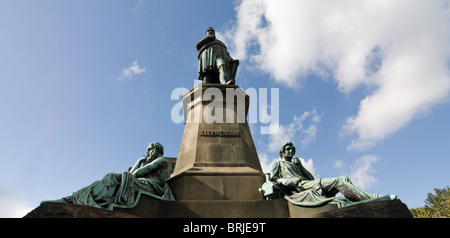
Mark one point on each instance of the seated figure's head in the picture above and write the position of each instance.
(287, 150)
(155, 148)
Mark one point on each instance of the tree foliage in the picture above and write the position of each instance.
(436, 205)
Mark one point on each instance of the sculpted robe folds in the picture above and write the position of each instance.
(212, 55)
(300, 187)
(308, 192)
(123, 190)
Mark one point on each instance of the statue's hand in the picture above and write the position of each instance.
(142, 160)
(294, 182)
(289, 182)
(139, 162)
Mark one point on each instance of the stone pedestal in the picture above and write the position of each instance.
(218, 173)
(149, 207)
(217, 158)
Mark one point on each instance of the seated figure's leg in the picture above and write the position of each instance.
(343, 185)
(98, 194)
(104, 191)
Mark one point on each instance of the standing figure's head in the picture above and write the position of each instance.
(155, 150)
(210, 31)
(287, 151)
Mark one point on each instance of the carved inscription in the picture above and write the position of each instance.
(220, 133)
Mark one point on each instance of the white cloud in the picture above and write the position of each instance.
(410, 87)
(302, 129)
(309, 165)
(137, 6)
(398, 49)
(362, 170)
(13, 206)
(129, 72)
(338, 164)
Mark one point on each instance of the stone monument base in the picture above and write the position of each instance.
(64, 210)
(149, 207)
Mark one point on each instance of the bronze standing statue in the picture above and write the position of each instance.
(215, 63)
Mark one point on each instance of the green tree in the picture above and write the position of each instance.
(436, 205)
(420, 212)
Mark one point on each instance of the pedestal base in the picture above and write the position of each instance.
(149, 207)
(217, 183)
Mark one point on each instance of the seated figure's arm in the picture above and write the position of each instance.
(138, 164)
(150, 167)
(289, 182)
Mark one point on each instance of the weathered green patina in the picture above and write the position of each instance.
(148, 176)
(215, 63)
(288, 178)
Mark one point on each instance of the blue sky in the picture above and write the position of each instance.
(86, 85)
